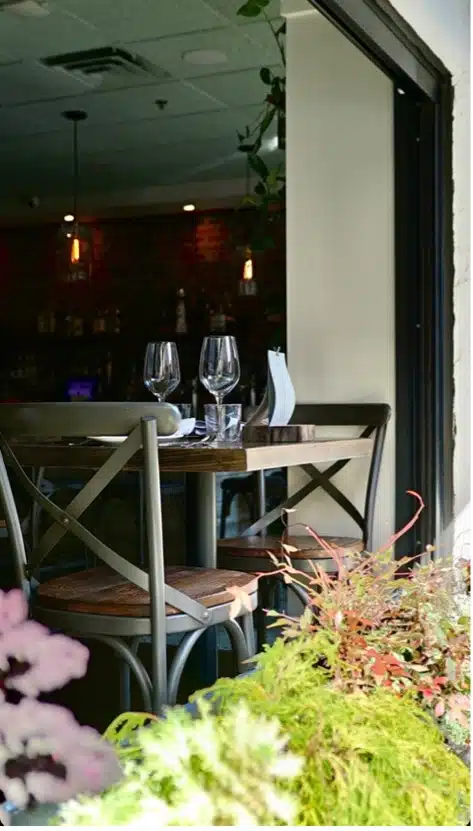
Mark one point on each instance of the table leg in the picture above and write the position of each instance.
(261, 494)
(202, 551)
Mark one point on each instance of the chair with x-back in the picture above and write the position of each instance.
(249, 552)
(117, 603)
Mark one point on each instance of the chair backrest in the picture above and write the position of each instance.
(373, 418)
(71, 419)
(141, 423)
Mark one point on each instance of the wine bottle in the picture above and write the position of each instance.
(181, 316)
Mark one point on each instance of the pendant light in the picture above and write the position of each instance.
(76, 247)
(247, 286)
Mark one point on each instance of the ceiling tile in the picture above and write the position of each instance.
(229, 9)
(235, 88)
(38, 37)
(127, 143)
(14, 123)
(28, 81)
(133, 138)
(127, 106)
(142, 19)
(245, 47)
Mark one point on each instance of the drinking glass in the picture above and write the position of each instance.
(219, 371)
(231, 419)
(161, 370)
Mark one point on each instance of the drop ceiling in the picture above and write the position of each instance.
(127, 142)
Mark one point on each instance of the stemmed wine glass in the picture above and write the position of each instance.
(161, 372)
(219, 372)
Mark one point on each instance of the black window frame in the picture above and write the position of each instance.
(424, 260)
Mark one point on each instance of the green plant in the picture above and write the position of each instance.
(371, 759)
(391, 624)
(224, 770)
(269, 193)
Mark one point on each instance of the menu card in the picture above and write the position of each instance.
(279, 400)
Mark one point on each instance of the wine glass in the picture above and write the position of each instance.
(161, 372)
(219, 371)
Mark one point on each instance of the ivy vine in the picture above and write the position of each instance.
(269, 193)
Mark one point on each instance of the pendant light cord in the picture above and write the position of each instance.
(75, 175)
(248, 175)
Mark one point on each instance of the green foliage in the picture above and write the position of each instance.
(375, 628)
(371, 760)
(269, 193)
(213, 770)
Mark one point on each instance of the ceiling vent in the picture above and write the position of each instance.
(106, 61)
(26, 8)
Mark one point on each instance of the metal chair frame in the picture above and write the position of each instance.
(141, 423)
(376, 417)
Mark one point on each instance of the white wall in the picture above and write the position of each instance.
(445, 26)
(340, 240)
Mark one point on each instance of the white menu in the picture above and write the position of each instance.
(279, 399)
(281, 394)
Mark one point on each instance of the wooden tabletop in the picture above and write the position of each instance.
(204, 459)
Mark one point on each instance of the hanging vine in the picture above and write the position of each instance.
(269, 193)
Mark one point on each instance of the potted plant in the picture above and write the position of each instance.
(344, 720)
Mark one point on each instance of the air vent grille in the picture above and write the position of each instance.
(106, 61)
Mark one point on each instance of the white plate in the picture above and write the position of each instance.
(187, 427)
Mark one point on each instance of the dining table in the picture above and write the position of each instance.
(201, 462)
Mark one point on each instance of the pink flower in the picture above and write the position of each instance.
(13, 609)
(46, 754)
(46, 662)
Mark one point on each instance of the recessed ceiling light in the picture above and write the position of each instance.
(69, 218)
(188, 208)
(205, 57)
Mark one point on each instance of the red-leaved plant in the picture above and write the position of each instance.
(380, 622)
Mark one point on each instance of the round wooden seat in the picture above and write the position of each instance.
(244, 552)
(101, 591)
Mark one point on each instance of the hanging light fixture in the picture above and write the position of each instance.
(76, 248)
(247, 286)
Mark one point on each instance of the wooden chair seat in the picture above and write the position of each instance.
(307, 547)
(101, 591)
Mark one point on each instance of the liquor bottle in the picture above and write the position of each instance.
(218, 321)
(181, 316)
(195, 397)
(98, 323)
(108, 371)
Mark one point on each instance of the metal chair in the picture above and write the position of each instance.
(249, 552)
(118, 603)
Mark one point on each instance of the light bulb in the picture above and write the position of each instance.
(188, 208)
(248, 266)
(75, 250)
(69, 218)
(248, 270)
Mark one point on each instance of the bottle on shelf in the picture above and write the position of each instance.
(113, 321)
(108, 371)
(195, 397)
(181, 315)
(99, 322)
(218, 321)
(77, 326)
